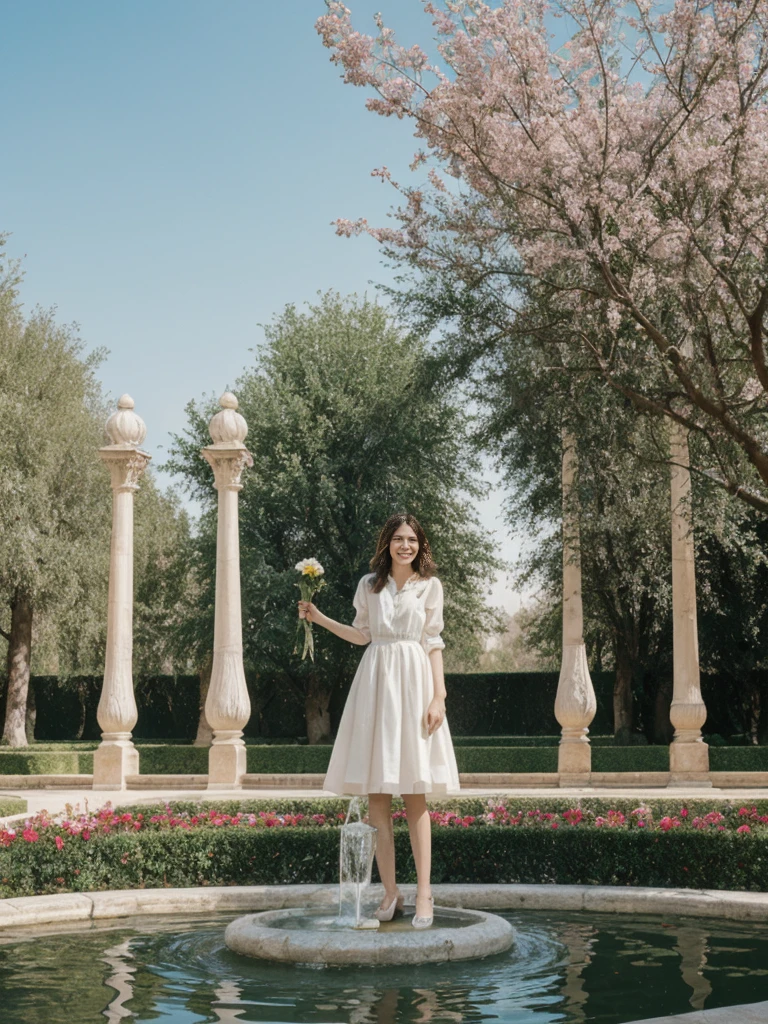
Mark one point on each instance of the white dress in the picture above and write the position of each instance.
(382, 745)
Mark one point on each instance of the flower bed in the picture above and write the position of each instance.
(719, 848)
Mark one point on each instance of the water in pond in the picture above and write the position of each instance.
(564, 968)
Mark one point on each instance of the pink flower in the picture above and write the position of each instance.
(668, 823)
(744, 828)
(59, 843)
(30, 835)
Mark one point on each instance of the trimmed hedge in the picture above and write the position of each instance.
(301, 759)
(738, 759)
(34, 762)
(11, 805)
(230, 856)
(462, 805)
(630, 759)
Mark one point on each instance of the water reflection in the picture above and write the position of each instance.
(578, 940)
(563, 969)
(120, 959)
(692, 945)
(228, 1006)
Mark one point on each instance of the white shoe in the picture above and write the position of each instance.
(394, 909)
(424, 922)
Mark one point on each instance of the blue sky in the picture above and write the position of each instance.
(170, 172)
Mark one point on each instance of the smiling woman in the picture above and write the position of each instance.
(393, 737)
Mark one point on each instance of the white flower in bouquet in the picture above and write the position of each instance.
(311, 581)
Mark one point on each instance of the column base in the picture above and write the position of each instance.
(689, 764)
(227, 761)
(574, 753)
(579, 780)
(114, 759)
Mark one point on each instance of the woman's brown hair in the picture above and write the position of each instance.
(381, 563)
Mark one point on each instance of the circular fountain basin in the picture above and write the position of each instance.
(315, 936)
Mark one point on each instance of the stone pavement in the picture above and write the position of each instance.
(56, 800)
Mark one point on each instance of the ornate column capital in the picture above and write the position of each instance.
(124, 458)
(227, 464)
(227, 456)
(126, 466)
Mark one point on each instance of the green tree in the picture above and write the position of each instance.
(54, 498)
(347, 424)
(528, 385)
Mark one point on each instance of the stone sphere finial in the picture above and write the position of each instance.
(228, 426)
(125, 426)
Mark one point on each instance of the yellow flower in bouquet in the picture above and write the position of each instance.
(311, 581)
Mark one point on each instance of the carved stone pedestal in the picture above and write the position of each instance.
(116, 756)
(575, 703)
(688, 753)
(227, 706)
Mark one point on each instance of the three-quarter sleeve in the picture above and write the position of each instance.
(360, 601)
(433, 625)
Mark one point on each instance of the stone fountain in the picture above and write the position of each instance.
(304, 935)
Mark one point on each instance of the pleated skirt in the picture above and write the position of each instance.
(382, 745)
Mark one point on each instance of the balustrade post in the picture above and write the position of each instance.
(575, 703)
(227, 706)
(116, 756)
(688, 753)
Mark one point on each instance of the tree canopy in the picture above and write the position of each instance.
(346, 426)
(620, 178)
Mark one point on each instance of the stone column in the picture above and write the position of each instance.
(227, 706)
(575, 703)
(116, 756)
(688, 753)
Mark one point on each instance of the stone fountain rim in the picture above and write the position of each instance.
(253, 935)
(63, 908)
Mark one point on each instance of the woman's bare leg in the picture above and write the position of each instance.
(380, 816)
(420, 828)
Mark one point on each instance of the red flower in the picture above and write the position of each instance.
(59, 842)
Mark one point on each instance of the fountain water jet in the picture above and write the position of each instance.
(356, 850)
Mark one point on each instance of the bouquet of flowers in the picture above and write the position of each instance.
(311, 581)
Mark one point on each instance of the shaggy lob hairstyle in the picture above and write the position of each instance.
(381, 563)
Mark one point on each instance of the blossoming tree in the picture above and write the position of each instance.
(621, 179)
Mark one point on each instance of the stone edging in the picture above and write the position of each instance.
(468, 780)
(28, 911)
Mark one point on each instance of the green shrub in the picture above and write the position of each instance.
(462, 805)
(506, 759)
(630, 759)
(485, 755)
(506, 741)
(738, 759)
(11, 805)
(175, 759)
(263, 856)
(33, 762)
